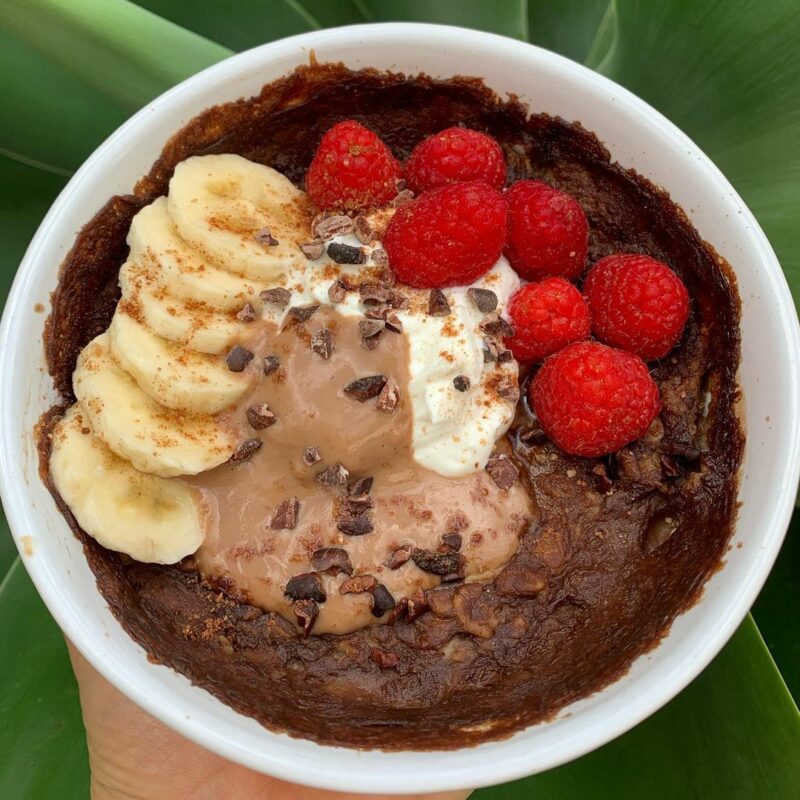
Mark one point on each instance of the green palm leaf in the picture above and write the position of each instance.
(727, 73)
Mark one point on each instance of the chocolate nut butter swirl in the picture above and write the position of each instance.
(393, 624)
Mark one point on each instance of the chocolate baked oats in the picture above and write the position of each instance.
(372, 517)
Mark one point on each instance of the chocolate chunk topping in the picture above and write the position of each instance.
(356, 504)
(306, 586)
(374, 294)
(394, 324)
(363, 389)
(360, 487)
(346, 253)
(401, 198)
(247, 313)
(398, 557)
(504, 356)
(437, 563)
(485, 300)
(495, 325)
(358, 584)
(508, 389)
(336, 475)
(376, 312)
(370, 331)
(495, 350)
(336, 292)
(322, 343)
(277, 296)
(311, 456)
(389, 396)
(363, 230)
(285, 518)
(382, 601)
(462, 383)
(238, 358)
(437, 304)
(452, 541)
(245, 451)
(409, 608)
(520, 580)
(306, 612)
(259, 416)
(303, 313)
(383, 659)
(312, 250)
(331, 561)
(355, 526)
(380, 257)
(271, 363)
(328, 227)
(502, 470)
(398, 299)
(265, 237)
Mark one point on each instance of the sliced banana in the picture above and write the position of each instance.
(185, 272)
(154, 439)
(222, 204)
(172, 374)
(150, 518)
(190, 322)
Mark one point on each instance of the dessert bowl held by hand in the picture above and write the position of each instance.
(636, 137)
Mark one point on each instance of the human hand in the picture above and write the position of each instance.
(135, 757)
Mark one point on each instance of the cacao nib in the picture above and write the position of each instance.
(305, 586)
(382, 601)
(331, 561)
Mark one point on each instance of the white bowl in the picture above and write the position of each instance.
(637, 137)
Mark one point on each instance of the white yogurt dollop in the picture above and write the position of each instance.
(455, 432)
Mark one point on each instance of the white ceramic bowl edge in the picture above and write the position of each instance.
(638, 137)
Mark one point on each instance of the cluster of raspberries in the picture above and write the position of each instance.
(591, 396)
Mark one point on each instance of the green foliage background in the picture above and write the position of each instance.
(726, 72)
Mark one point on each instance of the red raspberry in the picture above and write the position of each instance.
(454, 155)
(352, 170)
(547, 231)
(448, 236)
(637, 304)
(592, 400)
(546, 317)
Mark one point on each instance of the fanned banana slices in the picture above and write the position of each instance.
(150, 389)
(220, 205)
(151, 519)
(155, 439)
(170, 373)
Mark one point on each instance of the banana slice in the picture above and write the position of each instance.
(154, 439)
(189, 322)
(221, 204)
(149, 518)
(185, 273)
(170, 373)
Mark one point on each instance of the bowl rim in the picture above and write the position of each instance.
(504, 765)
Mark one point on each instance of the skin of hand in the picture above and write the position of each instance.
(135, 757)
